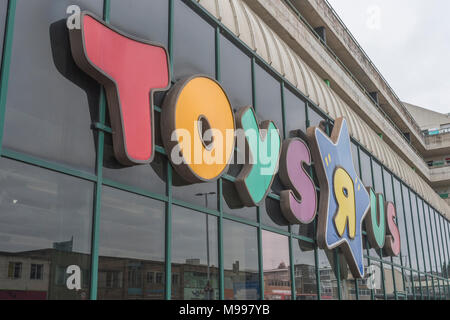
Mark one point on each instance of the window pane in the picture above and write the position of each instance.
(51, 104)
(430, 237)
(150, 177)
(408, 218)
(271, 215)
(294, 109)
(148, 20)
(378, 178)
(231, 203)
(268, 98)
(193, 43)
(277, 273)
(314, 117)
(131, 246)
(388, 192)
(425, 254)
(236, 75)
(401, 222)
(440, 243)
(45, 219)
(328, 281)
(366, 170)
(195, 255)
(436, 242)
(240, 256)
(200, 194)
(304, 271)
(416, 230)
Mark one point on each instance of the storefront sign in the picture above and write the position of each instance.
(200, 133)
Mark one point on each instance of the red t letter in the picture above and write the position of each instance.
(130, 70)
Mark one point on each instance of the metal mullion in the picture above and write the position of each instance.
(316, 264)
(275, 230)
(359, 174)
(428, 245)
(446, 232)
(407, 241)
(444, 255)
(414, 238)
(18, 156)
(6, 64)
(338, 272)
(381, 250)
(292, 269)
(97, 202)
(134, 190)
(439, 250)
(220, 235)
(421, 240)
(219, 183)
(190, 206)
(99, 184)
(260, 255)
(373, 291)
(168, 220)
(283, 112)
(303, 238)
(434, 249)
(227, 216)
(168, 236)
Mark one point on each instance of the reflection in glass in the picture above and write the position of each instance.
(366, 170)
(200, 194)
(236, 76)
(194, 255)
(314, 118)
(294, 109)
(277, 275)
(271, 215)
(240, 255)
(193, 43)
(328, 281)
(268, 98)
(144, 19)
(51, 103)
(45, 227)
(304, 271)
(355, 158)
(149, 177)
(232, 204)
(131, 247)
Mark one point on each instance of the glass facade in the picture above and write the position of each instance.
(68, 209)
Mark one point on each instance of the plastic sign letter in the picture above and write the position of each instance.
(194, 108)
(131, 70)
(376, 222)
(344, 201)
(345, 197)
(264, 147)
(392, 240)
(299, 203)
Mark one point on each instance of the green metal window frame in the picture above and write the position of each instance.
(441, 223)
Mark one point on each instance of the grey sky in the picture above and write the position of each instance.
(409, 42)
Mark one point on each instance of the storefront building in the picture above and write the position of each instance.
(75, 223)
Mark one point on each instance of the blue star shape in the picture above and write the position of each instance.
(336, 152)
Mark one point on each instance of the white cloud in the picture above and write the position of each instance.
(410, 46)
